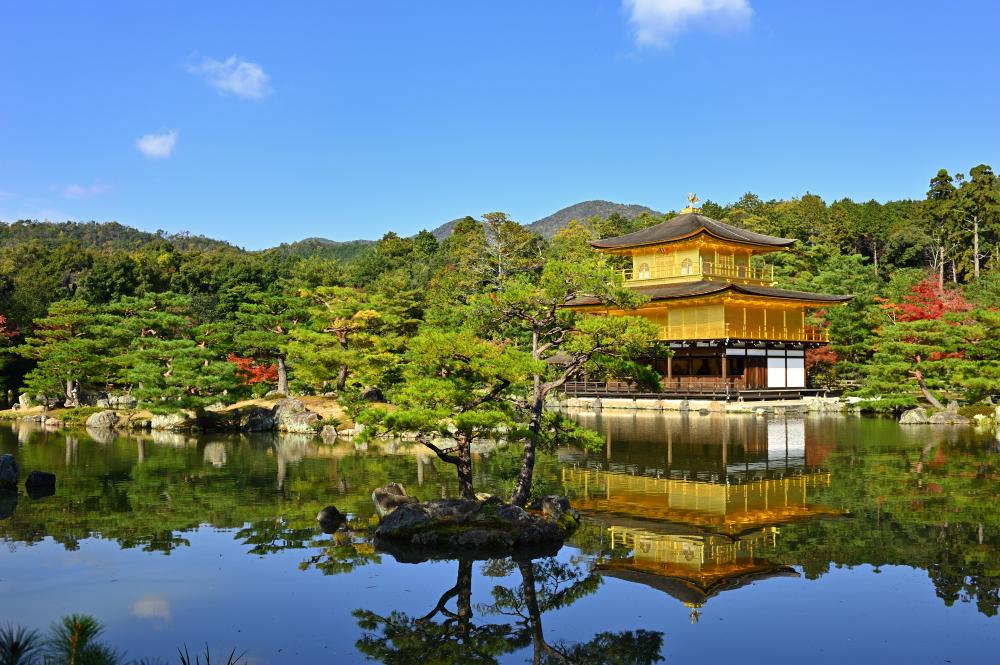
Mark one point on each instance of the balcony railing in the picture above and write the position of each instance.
(704, 269)
(728, 331)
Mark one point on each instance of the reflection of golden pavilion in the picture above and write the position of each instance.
(691, 567)
(693, 504)
(723, 507)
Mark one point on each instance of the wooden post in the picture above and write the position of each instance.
(670, 368)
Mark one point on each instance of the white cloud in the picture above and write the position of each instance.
(657, 21)
(152, 607)
(75, 191)
(234, 76)
(157, 146)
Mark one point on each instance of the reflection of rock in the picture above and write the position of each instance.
(40, 484)
(168, 438)
(101, 435)
(390, 497)
(8, 503)
(330, 519)
(215, 454)
(102, 420)
(9, 472)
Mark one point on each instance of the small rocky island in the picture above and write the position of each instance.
(412, 530)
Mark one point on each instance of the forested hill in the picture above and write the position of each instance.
(327, 249)
(100, 236)
(549, 226)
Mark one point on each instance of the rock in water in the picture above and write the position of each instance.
(40, 484)
(390, 497)
(9, 472)
(330, 519)
(103, 420)
(917, 416)
(328, 433)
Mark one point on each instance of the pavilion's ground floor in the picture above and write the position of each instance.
(720, 369)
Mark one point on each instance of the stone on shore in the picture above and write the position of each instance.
(917, 416)
(172, 422)
(102, 420)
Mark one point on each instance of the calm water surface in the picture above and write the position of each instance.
(706, 538)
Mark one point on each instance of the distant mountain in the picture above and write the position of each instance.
(549, 226)
(329, 249)
(112, 235)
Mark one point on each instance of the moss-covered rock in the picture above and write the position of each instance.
(451, 526)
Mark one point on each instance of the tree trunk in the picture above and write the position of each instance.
(522, 487)
(342, 373)
(927, 393)
(941, 267)
(975, 247)
(954, 273)
(875, 257)
(69, 401)
(534, 614)
(282, 376)
(464, 466)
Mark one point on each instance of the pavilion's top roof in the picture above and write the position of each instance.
(708, 287)
(686, 225)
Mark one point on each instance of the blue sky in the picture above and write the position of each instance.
(266, 123)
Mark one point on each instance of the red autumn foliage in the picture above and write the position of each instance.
(5, 334)
(251, 372)
(821, 354)
(926, 301)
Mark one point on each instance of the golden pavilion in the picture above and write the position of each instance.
(711, 294)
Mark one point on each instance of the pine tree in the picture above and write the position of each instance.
(262, 325)
(66, 350)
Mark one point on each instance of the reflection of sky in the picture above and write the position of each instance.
(213, 591)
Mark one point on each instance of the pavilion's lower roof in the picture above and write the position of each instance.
(707, 287)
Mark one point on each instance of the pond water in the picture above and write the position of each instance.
(705, 538)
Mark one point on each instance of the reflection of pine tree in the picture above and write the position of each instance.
(546, 585)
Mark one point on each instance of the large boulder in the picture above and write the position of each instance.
(173, 422)
(122, 401)
(948, 417)
(287, 407)
(461, 525)
(102, 420)
(917, 416)
(23, 401)
(300, 423)
(328, 433)
(255, 419)
(9, 472)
